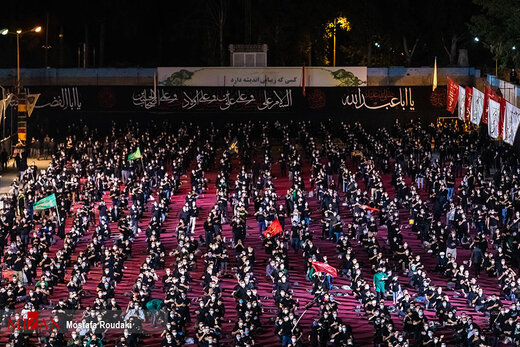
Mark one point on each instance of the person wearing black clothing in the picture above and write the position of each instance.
(3, 159)
(283, 165)
(476, 258)
(451, 245)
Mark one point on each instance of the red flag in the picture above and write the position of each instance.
(469, 97)
(371, 209)
(274, 228)
(503, 103)
(488, 94)
(318, 266)
(452, 95)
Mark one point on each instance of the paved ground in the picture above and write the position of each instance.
(7, 177)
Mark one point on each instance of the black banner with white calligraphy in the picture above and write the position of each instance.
(343, 102)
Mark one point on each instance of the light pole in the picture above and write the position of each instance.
(342, 23)
(21, 97)
(19, 33)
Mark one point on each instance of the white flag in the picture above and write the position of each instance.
(511, 120)
(462, 102)
(493, 118)
(4, 103)
(477, 106)
(31, 102)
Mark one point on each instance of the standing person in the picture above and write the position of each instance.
(451, 245)
(379, 283)
(260, 218)
(396, 289)
(283, 165)
(450, 185)
(419, 177)
(52, 147)
(32, 148)
(37, 148)
(477, 258)
(4, 158)
(22, 164)
(281, 214)
(295, 237)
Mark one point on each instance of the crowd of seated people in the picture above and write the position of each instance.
(373, 192)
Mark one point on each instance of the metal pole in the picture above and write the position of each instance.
(3, 113)
(46, 47)
(85, 55)
(17, 63)
(11, 134)
(334, 55)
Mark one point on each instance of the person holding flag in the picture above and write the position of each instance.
(45, 203)
(135, 155)
(233, 147)
(274, 228)
(325, 268)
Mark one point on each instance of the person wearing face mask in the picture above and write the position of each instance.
(508, 328)
(239, 327)
(379, 283)
(342, 335)
(426, 336)
(295, 342)
(203, 334)
(451, 246)
(75, 340)
(114, 306)
(17, 339)
(418, 322)
(442, 262)
(168, 341)
(285, 329)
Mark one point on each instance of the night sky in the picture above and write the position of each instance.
(187, 33)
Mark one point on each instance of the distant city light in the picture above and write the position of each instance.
(476, 39)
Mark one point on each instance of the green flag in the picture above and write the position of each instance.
(135, 155)
(45, 203)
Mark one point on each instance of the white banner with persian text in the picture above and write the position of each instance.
(462, 100)
(339, 76)
(511, 120)
(493, 118)
(477, 106)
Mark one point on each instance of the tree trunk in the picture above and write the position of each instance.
(101, 45)
(218, 13)
(221, 41)
(453, 49)
(408, 53)
(369, 53)
(86, 48)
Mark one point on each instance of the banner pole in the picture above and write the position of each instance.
(58, 214)
(298, 320)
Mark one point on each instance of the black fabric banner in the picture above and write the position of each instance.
(348, 101)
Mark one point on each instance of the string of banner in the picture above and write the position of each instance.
(501, 117)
